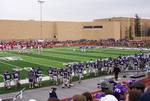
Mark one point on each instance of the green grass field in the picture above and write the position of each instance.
(55, 57)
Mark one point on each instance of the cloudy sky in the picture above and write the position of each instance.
(73, 10)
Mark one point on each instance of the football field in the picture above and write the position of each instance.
(54, 57)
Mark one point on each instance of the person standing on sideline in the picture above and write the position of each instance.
(52, 94)
(7, 79)
(16, 78)
(116, 72)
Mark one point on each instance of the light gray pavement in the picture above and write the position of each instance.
(41, 94)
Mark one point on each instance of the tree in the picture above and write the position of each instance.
(148, 31)
(137, 26)
(130, 33)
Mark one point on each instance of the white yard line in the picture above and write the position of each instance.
(1, 75)
(10, 64)
(49, 56)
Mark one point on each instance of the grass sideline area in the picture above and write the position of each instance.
(54, 57)
(48, 83)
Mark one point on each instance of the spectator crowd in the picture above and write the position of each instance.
(14, 44)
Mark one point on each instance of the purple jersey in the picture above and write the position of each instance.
(15, 75)
(7, 76)
(55, 73)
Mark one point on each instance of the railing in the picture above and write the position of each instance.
(17, 97)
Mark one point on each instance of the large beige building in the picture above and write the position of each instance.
(117, 28)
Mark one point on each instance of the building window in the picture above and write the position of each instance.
(97, 26)
(92, 27)
(87, 27)
(55, 36)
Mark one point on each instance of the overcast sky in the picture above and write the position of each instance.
(73, 10)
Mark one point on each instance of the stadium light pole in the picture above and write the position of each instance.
(41, 25)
